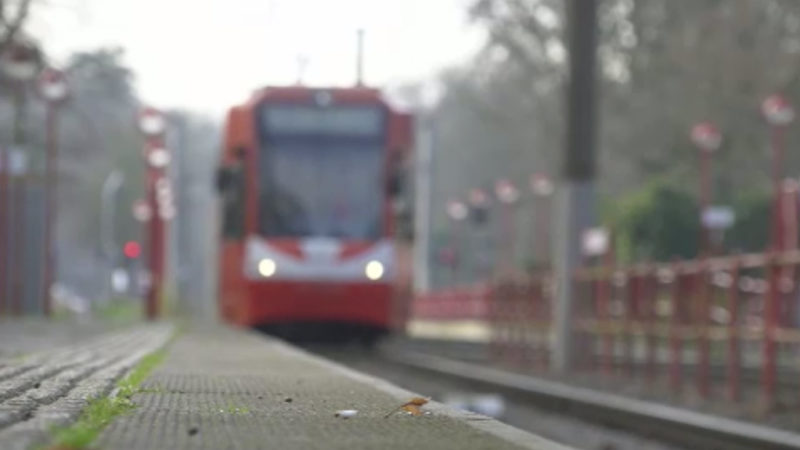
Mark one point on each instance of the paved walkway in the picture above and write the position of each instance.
(221, 389)
(50, 388)
(23, 335)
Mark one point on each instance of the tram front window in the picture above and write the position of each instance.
(321, 190)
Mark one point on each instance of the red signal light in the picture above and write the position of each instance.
(132, 249)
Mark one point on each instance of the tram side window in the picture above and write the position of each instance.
(231, 187)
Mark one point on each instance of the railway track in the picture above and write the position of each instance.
(479, 353)
(672, 425)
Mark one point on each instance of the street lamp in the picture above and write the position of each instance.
(707, 138)
(779, 114)
(542, 188)
(20, 62)
(54, 90)
(153, 125)
(507, 194)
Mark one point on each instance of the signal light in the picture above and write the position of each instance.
(132, 250)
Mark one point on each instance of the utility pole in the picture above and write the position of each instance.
(423, 215)
(576, 196)
(108, 214)
(54, 89)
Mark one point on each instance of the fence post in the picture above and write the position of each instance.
(632, 287)
(702, 286)
(733, 333)
(649, 297)
(768, 326)
(676, 343)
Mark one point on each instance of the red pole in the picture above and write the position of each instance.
(540, 349)
(455, 252)
(458, 248)
(605, 317)
(650, 293)
(630, 315)
(705, 200)
(601, 290)
(733, 337)
(494, 321)
(789, 200)
(51, 205)
(511, 238)
(702, 287)
(506, 239)
(778, 143)
(776, 243)
(3, 229)
(676, 343)
(768, 373)
(156, 240)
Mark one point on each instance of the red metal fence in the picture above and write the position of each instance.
(711, 323)
(463, 302)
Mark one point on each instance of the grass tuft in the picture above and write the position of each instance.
(101, 411)
(120, 311)
(233, 409)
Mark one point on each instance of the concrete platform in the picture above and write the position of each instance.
(221, 388)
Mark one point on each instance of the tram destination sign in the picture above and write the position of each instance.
(343, 120)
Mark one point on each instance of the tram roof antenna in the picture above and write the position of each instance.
(302, 63)
(360, 58)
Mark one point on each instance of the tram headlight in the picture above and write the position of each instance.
(374, 270)
(267, 267)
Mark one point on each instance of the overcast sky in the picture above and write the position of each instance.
(209, 54)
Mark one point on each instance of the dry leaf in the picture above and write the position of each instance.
(412, 407)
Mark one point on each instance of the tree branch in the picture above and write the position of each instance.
(14, 26)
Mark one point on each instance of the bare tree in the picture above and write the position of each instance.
(665, 65)
(13, 15)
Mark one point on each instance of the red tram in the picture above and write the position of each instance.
(308, 180)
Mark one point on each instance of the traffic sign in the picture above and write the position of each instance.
(132, 249)
(706, 136)
(506, 191)
(457, 210)
(142, 211)
(777, 110)
(541, 184)
(596, 241)
(718, 217)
